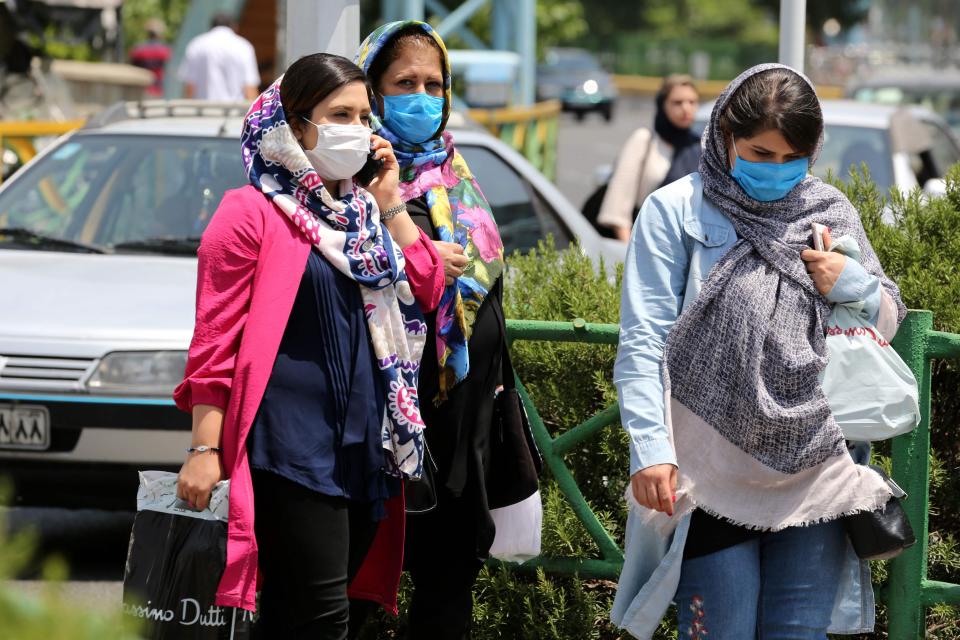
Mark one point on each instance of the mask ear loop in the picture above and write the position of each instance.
(316, 126)
(736, 154)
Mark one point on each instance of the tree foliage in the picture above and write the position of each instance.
(136, 14)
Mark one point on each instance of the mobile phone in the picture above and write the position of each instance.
(369, 170)
(818, 230)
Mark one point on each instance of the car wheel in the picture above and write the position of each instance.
(579, 115)
(608, 112)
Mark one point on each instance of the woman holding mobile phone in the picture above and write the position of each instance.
(450, 537)
(302, 372)
(740, 476)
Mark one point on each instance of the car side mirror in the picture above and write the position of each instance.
(935, 187)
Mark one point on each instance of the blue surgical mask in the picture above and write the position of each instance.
(768, 181)
(414, 117)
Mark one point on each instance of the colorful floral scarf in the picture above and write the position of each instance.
(458, 211)
(348, 234)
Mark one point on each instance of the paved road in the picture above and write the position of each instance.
(95, 542)
(584, 146)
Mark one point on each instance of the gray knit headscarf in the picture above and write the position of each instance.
(746, 356)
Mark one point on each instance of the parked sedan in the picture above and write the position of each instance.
(903, 147)
(574, 77)
(98, 239)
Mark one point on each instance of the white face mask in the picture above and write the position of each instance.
(341, 150)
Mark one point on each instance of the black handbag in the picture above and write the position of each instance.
(881, 534)
(420, 496)
(515, 461)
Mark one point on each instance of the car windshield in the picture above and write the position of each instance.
(139, 194)
(844, 146)
(571, 61)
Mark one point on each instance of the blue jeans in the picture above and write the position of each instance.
(779, 586)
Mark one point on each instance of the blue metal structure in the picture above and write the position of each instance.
(513, 28)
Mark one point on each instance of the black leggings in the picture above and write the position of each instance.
(311, 546)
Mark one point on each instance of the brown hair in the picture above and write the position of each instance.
(410, 35)
(776, 99)
(312, 78)
(673, 81)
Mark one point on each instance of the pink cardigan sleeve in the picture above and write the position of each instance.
(425, 272)
(226, 263)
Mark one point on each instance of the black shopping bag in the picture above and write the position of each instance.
(174, 563)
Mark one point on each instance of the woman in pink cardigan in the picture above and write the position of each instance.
(302, 373)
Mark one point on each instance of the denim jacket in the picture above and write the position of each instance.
(678, 237)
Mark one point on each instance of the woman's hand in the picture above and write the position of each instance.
(199, 474)
(824, 267)
(454, 261)
(385, 186)
(656, 487)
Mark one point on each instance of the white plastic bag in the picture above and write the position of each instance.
(518, 530)
(872, 392)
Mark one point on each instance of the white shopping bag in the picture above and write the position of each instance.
(872, 392)
(518, 530)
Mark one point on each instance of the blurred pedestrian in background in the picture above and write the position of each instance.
(651, 159)
(153, 54)
(220, 65)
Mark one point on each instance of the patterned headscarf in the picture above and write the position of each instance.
(347, 232)
(743, 362)
(458, 212)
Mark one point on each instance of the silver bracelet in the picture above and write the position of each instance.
(393, 212)
(203, 449)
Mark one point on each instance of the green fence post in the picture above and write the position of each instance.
(911, 470)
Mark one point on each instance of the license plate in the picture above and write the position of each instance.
(24, 426)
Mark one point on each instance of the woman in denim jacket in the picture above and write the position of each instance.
(739, 474)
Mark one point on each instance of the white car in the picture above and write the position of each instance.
(98, 238)
(904, 147)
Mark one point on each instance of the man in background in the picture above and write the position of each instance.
(220, 65)
(152, 55)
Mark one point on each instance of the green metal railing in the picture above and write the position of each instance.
(907, 592)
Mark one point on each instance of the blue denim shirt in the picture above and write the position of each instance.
(678, 237)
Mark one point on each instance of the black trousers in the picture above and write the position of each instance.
(311, 546)
(441, 556)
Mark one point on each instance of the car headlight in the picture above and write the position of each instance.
(144, 372)
(590, 87)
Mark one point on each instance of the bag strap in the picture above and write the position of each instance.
(507, 378)
(506, 366)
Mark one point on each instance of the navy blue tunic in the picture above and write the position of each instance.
(320, 417)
